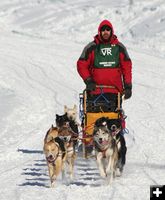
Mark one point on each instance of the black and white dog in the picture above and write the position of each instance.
(114, 126)
(69, 119)
(106, 152)
(62, 120)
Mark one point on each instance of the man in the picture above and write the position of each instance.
(105, 61)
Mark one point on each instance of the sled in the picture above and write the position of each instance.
(90, 111)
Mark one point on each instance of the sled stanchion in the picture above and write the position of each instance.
(118, 100)
(83, 149)
(85, 98)
(85, 107)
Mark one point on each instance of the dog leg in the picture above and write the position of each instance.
(118, 172)
(110, 169)
(119, 168)
(63, 170)
(70, 163)
(100, 165)
(53, 181)
(51, 174)
(72, 166)
(58, 168)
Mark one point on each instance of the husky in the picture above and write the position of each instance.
(69, 119)
(105, 151)
(114, 125)
(71, 112)
(65, 134)
(115, 128)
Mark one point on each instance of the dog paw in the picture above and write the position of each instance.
(52, 184)
(118, 172)
(71, 177)
(108, 171)
(54, 178)
(103, 174)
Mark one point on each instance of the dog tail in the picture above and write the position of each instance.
(61, 144)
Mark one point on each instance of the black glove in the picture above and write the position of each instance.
(127, 91)
(90, 84)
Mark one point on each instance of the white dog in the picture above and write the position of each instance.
(71, 112)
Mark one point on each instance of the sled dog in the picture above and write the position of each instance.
(114, 126)
(65, 134)
(105, 151)
(55, 154)
(69, 118)
(71, 112)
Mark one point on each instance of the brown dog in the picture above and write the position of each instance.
(55, 153)
(55, 158)
(65, 133)
(71, 112)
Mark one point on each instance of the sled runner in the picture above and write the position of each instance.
(93, 107)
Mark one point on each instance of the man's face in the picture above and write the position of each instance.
(106, 33)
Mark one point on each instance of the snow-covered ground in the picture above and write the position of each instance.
(40, 42)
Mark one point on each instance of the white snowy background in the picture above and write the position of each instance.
(40, 42)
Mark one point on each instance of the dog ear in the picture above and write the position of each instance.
(65, 109)
(57, 116)
(75, 107)
(49, 138)
(51, 128)
(95, 129)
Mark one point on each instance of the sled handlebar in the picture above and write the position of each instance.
(106, 86)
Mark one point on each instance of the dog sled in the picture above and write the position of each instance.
(91, 109)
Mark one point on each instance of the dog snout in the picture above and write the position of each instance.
(100, 140)
(50, 157)
(113, 127)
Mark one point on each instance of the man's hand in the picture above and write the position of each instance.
(127, 91)
(90, 84)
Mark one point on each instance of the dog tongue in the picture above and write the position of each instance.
(105, 142)
(50, 159)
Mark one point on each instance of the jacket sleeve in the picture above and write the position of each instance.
(125, 64)
(85, 60)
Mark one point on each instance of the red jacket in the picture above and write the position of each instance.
(116, 71)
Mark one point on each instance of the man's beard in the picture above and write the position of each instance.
(105, 39)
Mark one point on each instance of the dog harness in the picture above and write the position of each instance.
(103, 151)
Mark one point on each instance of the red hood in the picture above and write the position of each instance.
(105, 22)
(97, 38)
